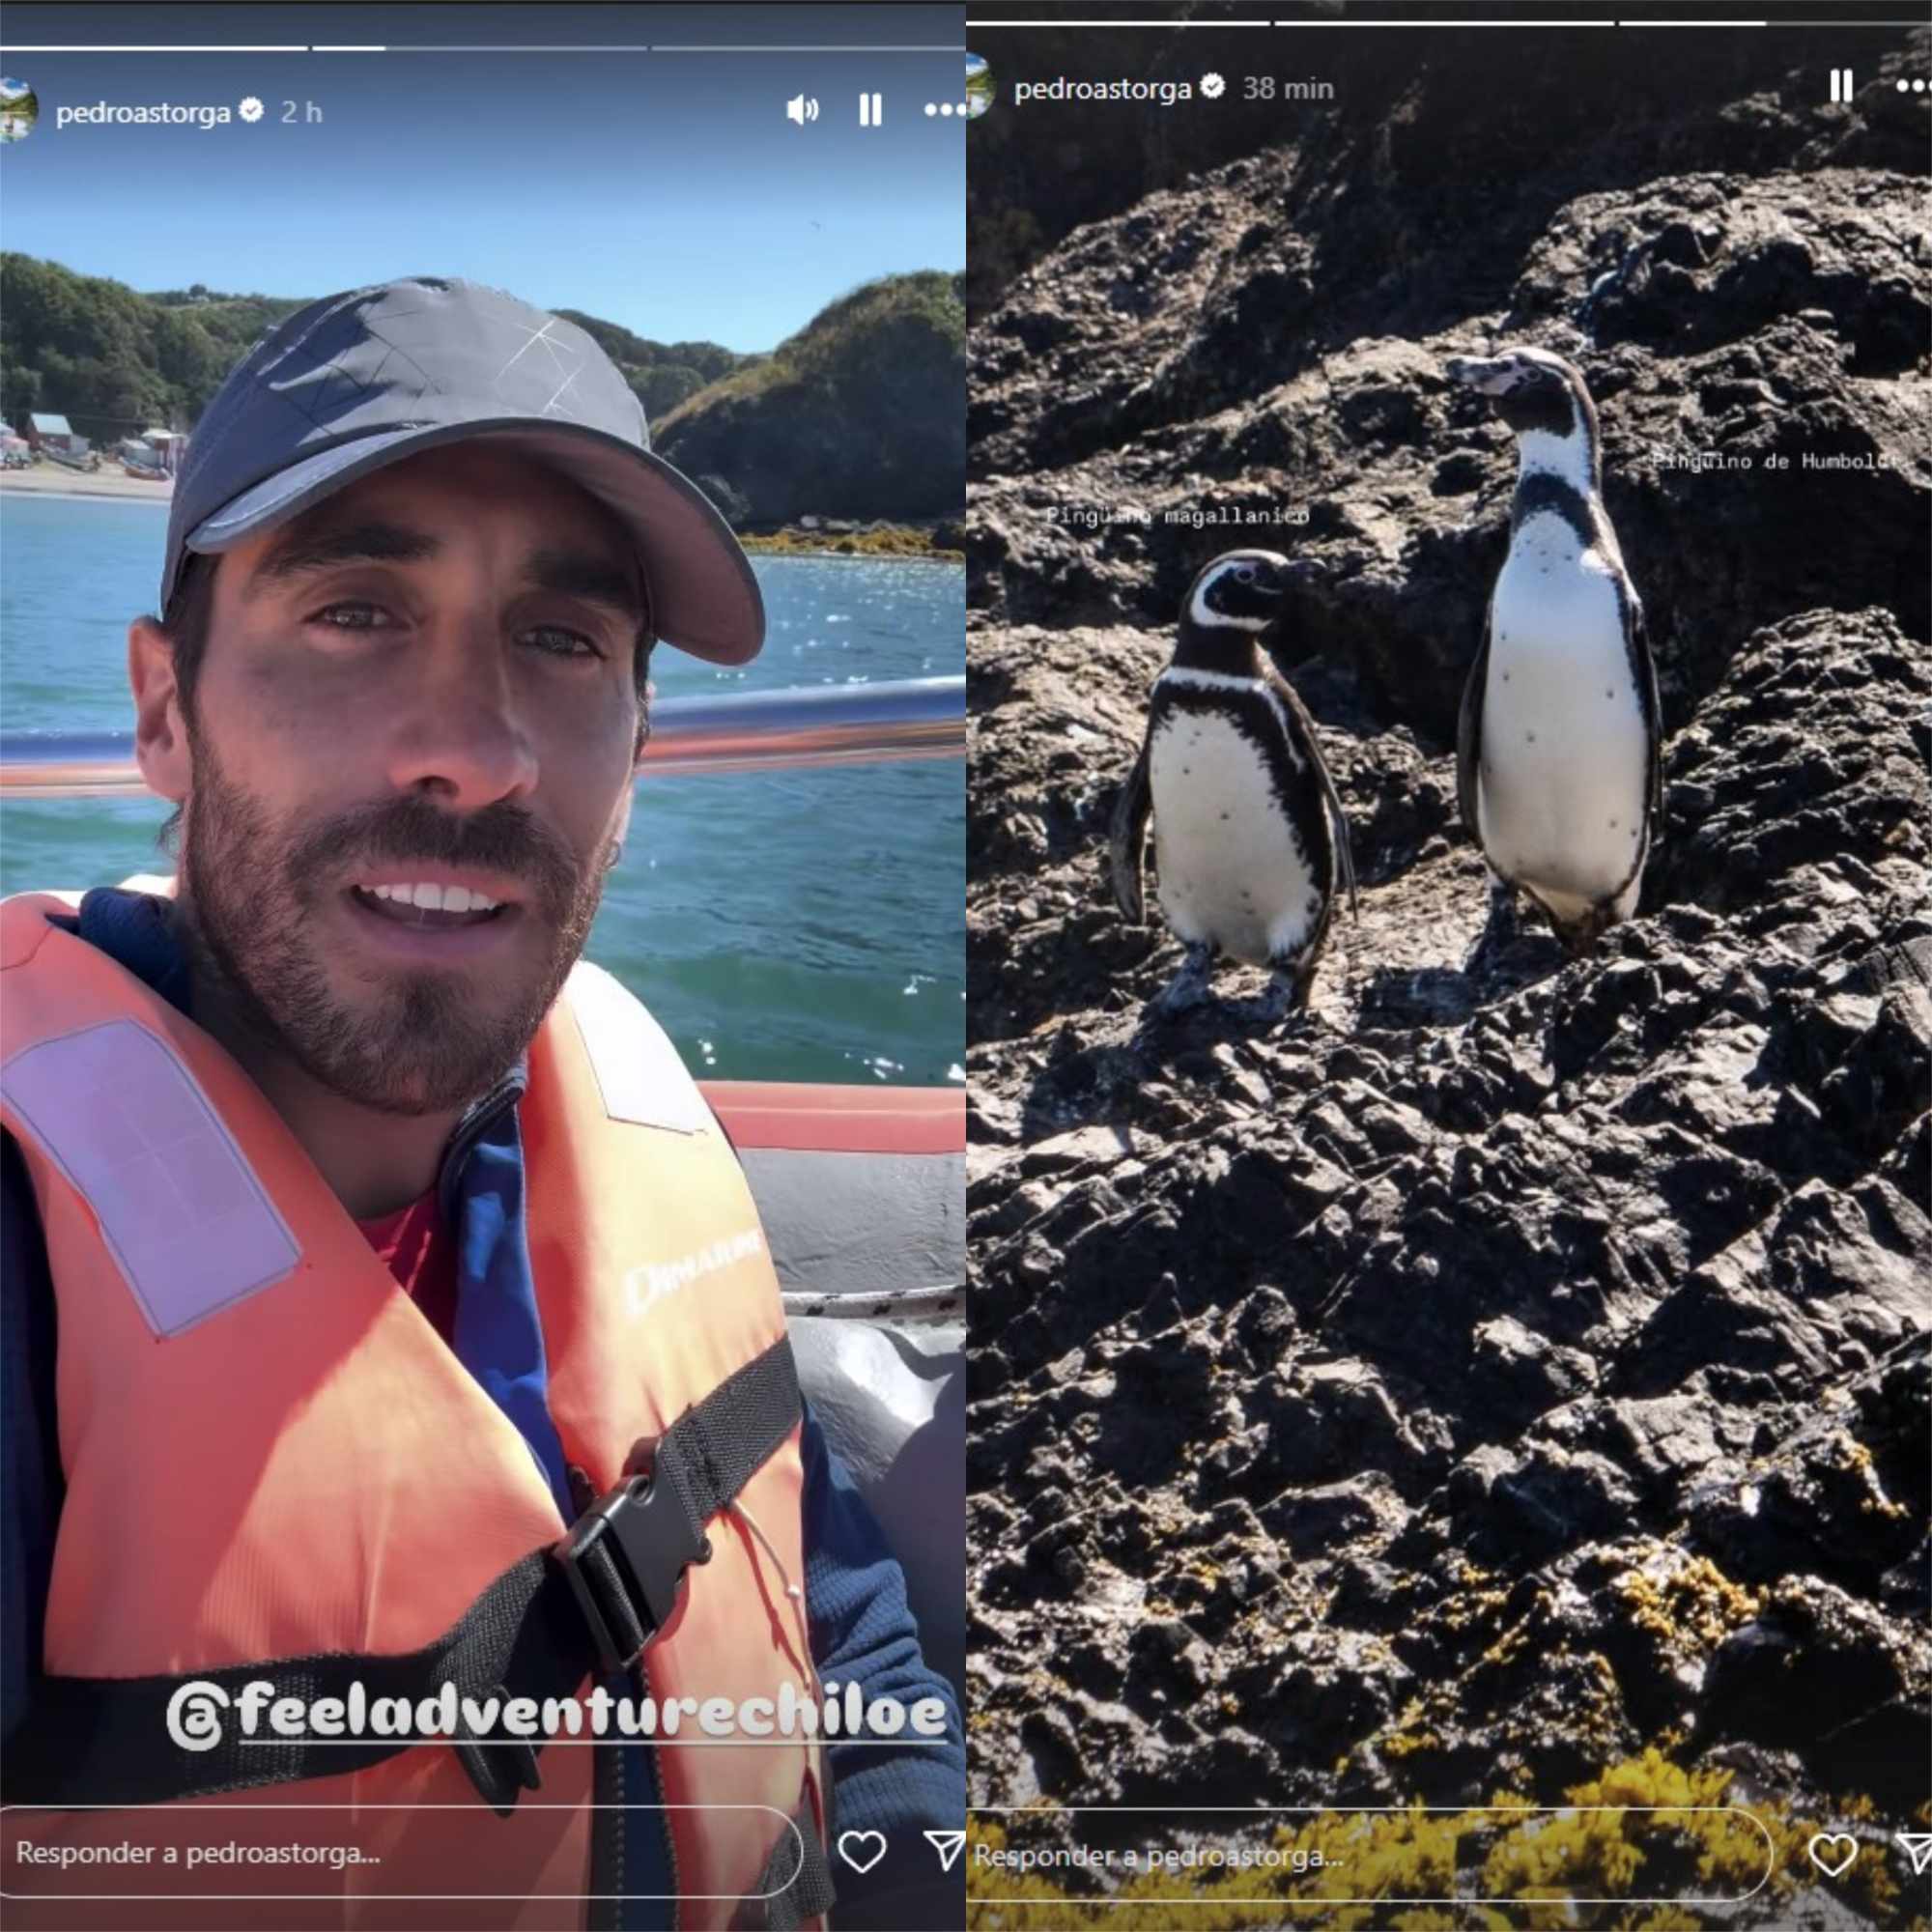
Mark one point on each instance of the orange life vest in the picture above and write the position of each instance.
(276, 1470)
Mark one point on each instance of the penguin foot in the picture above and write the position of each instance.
(1578, 938)
(1286, 999)
(1187, 988)
(1276, 1004)
(1500, 930)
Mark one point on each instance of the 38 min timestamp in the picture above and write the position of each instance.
(1266, 87)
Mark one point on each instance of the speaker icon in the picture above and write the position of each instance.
(798, 108)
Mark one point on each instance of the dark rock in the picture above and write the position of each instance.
(1815, 1648)
(1539, 1503)
(1490, 1375)
(1408, 503)
(1313, 1521)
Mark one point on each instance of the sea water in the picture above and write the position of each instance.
(793, 925)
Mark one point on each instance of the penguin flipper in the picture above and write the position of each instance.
(1469, 730)
(1338, 817)
(1643, 669)
(1127, 853)
(1341, 822)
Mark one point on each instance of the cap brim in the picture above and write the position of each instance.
(705, 597)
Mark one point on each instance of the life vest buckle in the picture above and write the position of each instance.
(626, 1556)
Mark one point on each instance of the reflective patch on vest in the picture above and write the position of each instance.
(180, 1208)
(639, 1073)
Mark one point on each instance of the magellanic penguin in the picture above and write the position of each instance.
(1559, 754)
(1249, 834)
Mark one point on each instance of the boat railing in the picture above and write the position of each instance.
(798, 728)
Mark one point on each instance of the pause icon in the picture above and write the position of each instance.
(872, 110)
(1841, 83)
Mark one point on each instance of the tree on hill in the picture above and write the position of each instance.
(634, 352)
(110, 359)
(662, 387)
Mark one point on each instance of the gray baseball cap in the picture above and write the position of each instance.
(358, 380)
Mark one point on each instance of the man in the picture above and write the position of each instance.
(338, 1192)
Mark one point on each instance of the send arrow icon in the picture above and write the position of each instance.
(949, 1845)
(1915, 1845)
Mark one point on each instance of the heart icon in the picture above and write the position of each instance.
(1833, 1851)
(863, 1850)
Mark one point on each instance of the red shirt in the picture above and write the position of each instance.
(418, 1251)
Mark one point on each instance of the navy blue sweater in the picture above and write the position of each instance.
(862, 1631)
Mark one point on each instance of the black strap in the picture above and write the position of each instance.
(105, 1741)
(717, 1446)
(627, 1555)
(797, 1888)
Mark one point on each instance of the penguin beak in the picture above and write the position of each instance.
(1492, 377)
(1277, 574)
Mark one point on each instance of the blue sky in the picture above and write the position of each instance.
(666, 191)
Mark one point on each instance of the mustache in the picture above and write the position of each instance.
(498, 839)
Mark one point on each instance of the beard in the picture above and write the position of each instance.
(255, 917)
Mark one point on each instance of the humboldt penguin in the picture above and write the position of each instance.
(1559, 752)
(1249, 833)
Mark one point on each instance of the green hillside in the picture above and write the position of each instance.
(861, 414)
(664, 374)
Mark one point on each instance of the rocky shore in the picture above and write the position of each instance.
(939, 539)
(1503, 1383)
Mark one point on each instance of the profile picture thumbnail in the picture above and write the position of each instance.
(18, 110)
(978, 86)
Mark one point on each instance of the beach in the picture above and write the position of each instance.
(49, 479)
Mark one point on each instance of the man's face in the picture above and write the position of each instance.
(426, 679)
